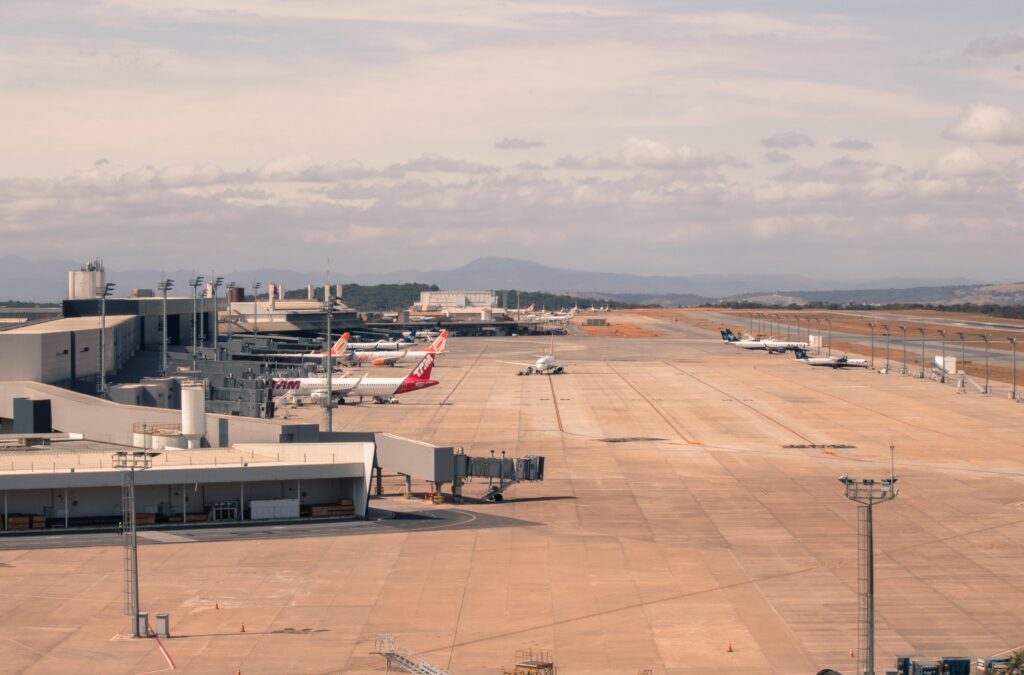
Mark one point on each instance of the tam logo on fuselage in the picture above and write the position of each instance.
(287, 384)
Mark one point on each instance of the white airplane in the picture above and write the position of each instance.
(337, 350)
(391, 357)
(544, 365)
(556, 317)
(830, 361)
(380, 345)
(771, 345)
(429, 334)
(380, 389)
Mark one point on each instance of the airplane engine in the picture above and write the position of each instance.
(379, 362)
(317, 396)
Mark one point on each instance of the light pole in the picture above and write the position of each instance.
(872, 325)
(866, 493)
(903, 370)
(129, 463)
(922, 352)
(942, 332)
(165, 285)
(789, 324)
(1013, 345)
(104, 293)
(195, 283)
(888, 335)
(231, 322)
(817, 320)
(799, 335)
(750, 323)
(216, 318)
(984, 336)
(963, 354)
(829, 321)
(256, 309)
(329, 402)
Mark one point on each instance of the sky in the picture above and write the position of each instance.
(833, 139)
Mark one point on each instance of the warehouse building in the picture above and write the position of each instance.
(457, 301)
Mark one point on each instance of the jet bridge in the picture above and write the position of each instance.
(501, 473)
(440, 465)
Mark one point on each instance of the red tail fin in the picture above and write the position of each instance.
(423, 368)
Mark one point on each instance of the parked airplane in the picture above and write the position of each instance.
(429, 334)
(380, 345)
(380, 389)
(556, 317)
(771, 345)
(391, 357)
(337, 350)
(830, 361)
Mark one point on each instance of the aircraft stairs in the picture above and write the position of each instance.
(405, 660)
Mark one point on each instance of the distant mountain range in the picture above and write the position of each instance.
(46, 280)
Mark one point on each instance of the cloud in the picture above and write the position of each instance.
(640, 153)
(985, 123)
(787, 140)
(852, 144)
(517, 144)
(993, 46)
(962, 161)
(430, 162)
(777, 157)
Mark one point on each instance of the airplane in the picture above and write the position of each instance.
(830, 361)
(380, 345)
(391, 357)
(556, 317)
(770, 345)
(544, 365)
(380, 389)
(429, 334)
(336, 351)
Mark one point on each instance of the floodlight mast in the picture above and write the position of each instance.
(231, 322)
(942, 332)
(256, 309)
(129, 462)
(866, 493)
(195, 283)
(216, 283)
(903, 370)
(165, 285)
(104, 292)
(872, 325)
(887, 335)
(921, 330)
(329, 356)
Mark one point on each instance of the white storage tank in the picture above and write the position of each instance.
(85, 283)
(193, 413)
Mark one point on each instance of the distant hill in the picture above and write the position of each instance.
(977, 294)
(46, 280)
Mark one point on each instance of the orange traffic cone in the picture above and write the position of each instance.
(728, 648)
(243, 629)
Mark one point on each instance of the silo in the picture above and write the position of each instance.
(193, 413)
(84, 283)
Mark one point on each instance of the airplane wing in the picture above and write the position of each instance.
(517, 363)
